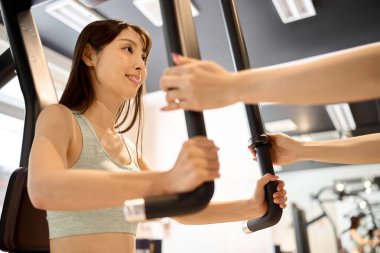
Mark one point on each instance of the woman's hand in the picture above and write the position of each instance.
(284, 149)
(197, 85)
(196, 164)
(258, 199)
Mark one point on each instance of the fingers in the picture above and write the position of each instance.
(203, 141)
(171, 107)
(205, 158)
(169, 83)
(280, 197)
(174, 100)
(181, 60)
(281, 185)
(280, 194)
(207, 167)
(203, 151)
(266, 179)
(173, 95)
(281, 201)
(174, 104)
(212, 171)
(183, 66)
(253, 152)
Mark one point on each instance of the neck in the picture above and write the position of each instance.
(102, 115)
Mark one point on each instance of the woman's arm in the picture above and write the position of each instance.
(218, 212)
(53, 185)
(347, 75)
(239, 210)
(363, 149)
(359, 239)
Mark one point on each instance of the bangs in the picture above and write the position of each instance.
(145, 37)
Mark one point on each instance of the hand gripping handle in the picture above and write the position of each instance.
(259, 139)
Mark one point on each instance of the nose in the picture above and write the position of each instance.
(139, 64)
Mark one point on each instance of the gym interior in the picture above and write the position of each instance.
(322, 197)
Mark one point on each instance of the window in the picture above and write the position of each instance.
(11, 131)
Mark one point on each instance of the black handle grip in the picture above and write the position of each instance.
(259, 139)
(180, 37)
(274, 212)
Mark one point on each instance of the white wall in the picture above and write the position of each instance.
(165, 133)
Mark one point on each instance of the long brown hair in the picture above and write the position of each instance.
(79, 93)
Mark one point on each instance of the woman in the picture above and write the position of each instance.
(358, 242)
(81, 167)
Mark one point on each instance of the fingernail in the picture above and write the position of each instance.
(175, 56)
(165, 108)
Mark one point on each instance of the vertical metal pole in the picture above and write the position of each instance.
(32, 69)
(181, 38)
(300, 230)
(22, 227)
(258, 138)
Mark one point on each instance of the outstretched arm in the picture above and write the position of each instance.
(218, 212)
(360, 240)
(363, 149)
(347, 75)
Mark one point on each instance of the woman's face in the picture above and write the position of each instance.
(119, 68)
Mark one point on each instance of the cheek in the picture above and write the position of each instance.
(144, 74)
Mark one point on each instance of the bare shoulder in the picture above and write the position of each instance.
(55, 117)
(55, 110)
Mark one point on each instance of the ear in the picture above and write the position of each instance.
(89, 55)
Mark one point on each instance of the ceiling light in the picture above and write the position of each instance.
(93, 3)
(152, 11)
(339, 187)
(341, 117)
(293, 10)
(286, 125)
(367, 184)
(73, 13)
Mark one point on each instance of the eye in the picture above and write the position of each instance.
(129, 49)
(143, 57)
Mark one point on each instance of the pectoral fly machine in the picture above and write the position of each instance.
(181, 38)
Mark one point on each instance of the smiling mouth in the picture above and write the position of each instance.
(136, 79)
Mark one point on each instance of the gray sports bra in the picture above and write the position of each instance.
(93, 155)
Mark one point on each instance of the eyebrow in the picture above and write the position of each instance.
(130, 41)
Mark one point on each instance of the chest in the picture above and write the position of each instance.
(97, 144)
